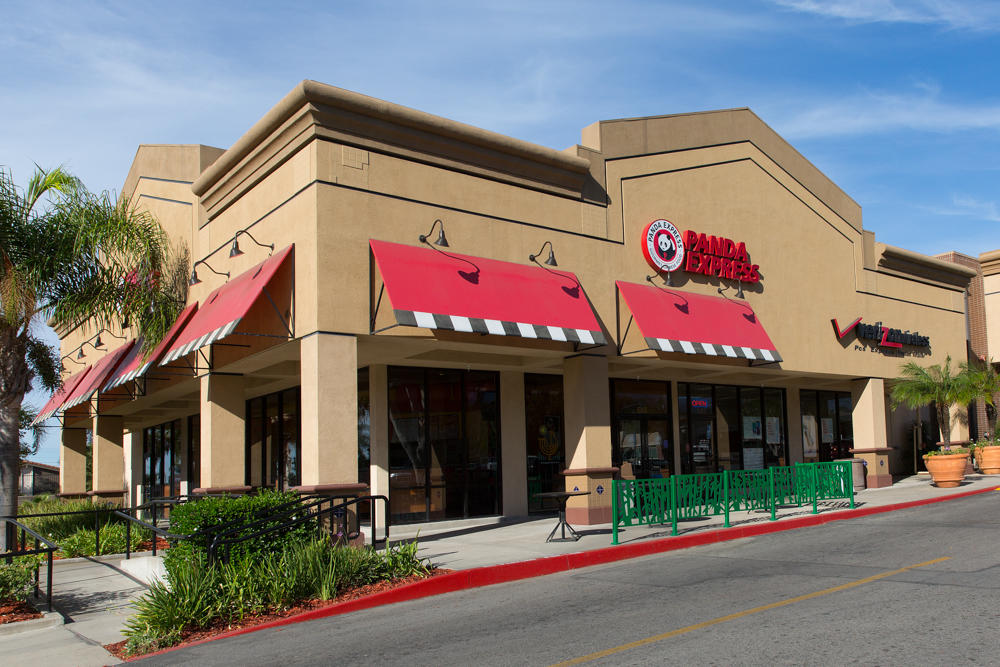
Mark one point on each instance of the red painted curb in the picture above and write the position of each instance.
(497, 574)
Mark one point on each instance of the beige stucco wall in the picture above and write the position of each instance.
(329, 177)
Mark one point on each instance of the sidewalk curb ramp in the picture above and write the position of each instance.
(478, 577)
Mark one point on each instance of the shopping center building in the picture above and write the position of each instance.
(387, 300)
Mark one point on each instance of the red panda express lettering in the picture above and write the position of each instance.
(717, 256)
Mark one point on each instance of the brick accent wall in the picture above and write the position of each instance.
(976, 320)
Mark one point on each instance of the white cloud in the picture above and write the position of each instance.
(954, 14)
(969, 207)
(873, 112)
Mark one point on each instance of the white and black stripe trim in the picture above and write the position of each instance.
(713, 349)
(196, 344)
(410, 318)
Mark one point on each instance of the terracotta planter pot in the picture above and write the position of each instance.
(947, 470)
(989, 460)
(978, 455)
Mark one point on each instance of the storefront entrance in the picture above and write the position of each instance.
(161, 460)
(731, 428)
(827, 427)
(444, 444)
(272, 440)
(544, 441)
(643, 432)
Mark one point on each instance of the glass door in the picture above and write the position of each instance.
(644, 443)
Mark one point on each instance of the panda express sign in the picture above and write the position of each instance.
(666, 249)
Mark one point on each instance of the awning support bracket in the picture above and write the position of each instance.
(621, 346)
(378, 304)
(281, 318)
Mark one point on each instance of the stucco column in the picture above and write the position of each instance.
(108, 466)
(513, 448)
(73, 461)
(378, 435)
(223, 433)
(868, 420)
(959, 415)
(133, 466)
(329, 374)
(588, 438)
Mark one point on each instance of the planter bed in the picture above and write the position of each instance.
(198, 635)
(14, 611)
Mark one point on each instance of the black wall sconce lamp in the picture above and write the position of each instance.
(194, 272)
(550, 260)
(235, 251)
(441, 240)
(739, 290)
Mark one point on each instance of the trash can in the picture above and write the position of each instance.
(860, 469)
(859, 473)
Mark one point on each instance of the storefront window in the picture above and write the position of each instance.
(194, 452)
(544, 441)
(642, 443)
(444, 444)
(731, 428)
(161, 476)
(827, 429)
(273, 450)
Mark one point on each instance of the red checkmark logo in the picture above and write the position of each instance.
(841, 334)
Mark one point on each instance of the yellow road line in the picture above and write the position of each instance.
(741, 614)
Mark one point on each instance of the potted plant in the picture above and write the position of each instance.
(917, 386)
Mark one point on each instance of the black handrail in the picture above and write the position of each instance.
(296, 516)
(48, 549)
(260, 513)
(108, 509)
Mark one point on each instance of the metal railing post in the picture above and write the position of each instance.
(48, 582)
(725, 500)
(97, 534)
(614, 511)
(774, 503)
(815, 488)
(673, 504)
(128, 540)
(849, 476)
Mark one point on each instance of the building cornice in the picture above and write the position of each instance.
(314, 109)
(924, 266)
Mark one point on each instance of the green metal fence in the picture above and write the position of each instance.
(636, 502)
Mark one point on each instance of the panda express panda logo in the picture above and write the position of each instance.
(663, 246)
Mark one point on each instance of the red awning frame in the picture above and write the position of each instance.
(225, 307)
(455, 294)
(762, 351)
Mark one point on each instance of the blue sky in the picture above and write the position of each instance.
(897, 101)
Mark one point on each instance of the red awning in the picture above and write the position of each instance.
(225, 307)
(135, 363)
(100, 372)
(445, 290)
(675, 321)
(61, 395)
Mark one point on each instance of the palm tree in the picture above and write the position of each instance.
(73, 258)
(986, 384)
(917, 386)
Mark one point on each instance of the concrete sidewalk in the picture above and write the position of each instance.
(460, 545)
(95, 595)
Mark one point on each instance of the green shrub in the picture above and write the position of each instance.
(57, 528)
(198, 519)
(83, 542)
(17, 579)
(200, 595)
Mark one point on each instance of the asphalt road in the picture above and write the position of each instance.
(918, 586)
